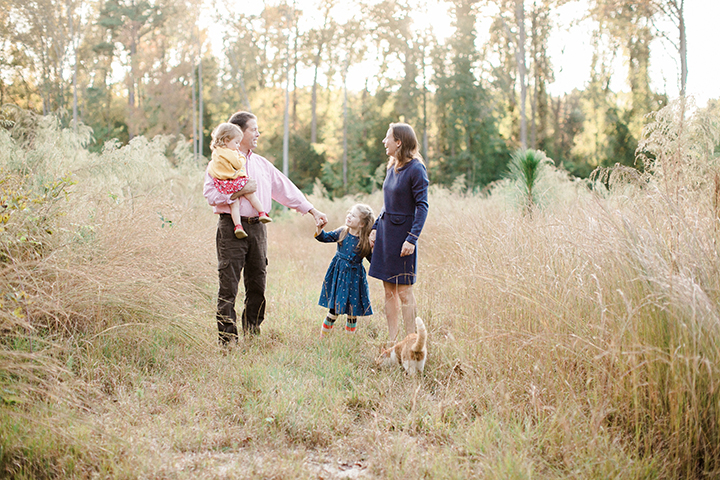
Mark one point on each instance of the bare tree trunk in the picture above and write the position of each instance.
(201, 107)
(520, 59)
(75, 95)
(286, 130)
(193, 84)
(318, 58)
(675, 11)
(533, 117)
(683, 48)
(424, 98)
(313, 123)
(131, 80)
(286, 120)
(108, 98)
(557, 138)
(46, 82)
(535, 77)
(345, 122)
(131, 85)
(75, 70)
(295, 62)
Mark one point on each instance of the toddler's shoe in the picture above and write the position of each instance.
(264, 218)
(240, 232)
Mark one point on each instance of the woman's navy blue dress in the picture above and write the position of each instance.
(345, 288)
(405, 195)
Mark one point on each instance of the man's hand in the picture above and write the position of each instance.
(250, 187)
(320, 218)
(407, 249)
(373, 232)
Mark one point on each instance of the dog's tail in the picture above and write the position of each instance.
(421, 335)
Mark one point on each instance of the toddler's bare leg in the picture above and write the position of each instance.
(237, 220)
(235, 213)
(254, 201)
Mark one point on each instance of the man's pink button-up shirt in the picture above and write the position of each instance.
(271, 185)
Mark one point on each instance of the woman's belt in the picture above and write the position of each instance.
(395, 214)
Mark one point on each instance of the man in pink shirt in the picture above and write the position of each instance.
(249, 254)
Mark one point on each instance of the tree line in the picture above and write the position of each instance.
(144, 67)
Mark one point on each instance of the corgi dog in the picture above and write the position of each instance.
(411, 352)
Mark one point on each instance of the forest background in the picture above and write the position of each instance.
(327, 77)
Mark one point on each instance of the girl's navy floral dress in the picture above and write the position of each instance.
(345, 288)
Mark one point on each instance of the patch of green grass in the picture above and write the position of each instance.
(48, 443)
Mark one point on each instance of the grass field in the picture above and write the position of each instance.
(577, 342)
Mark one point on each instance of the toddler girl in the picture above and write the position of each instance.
(227, 168)
(345, 288)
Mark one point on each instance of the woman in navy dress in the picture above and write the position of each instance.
(398, 226)
(345, 288)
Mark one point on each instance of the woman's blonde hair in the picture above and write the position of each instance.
(223, 134)
(367, 220)
(408, 145)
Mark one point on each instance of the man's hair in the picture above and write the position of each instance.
(241, 119)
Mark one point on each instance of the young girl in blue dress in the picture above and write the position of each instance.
(345, 288)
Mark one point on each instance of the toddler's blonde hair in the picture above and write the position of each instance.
(223, 134)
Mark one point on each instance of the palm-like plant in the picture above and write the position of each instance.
(526, 168)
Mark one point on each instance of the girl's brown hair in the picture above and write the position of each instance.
(367, 220)
(223, 134)
(408, 145)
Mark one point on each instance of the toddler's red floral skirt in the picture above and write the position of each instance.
(228, 187)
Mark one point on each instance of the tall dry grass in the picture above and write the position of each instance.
(97, 283)
(580, 342)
